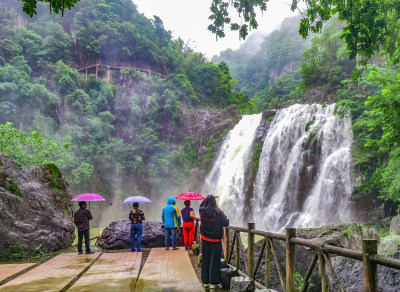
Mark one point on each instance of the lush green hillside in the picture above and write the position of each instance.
(258, 73)
(126, 136)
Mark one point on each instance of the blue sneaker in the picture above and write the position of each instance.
(133, 250)
(140, 249)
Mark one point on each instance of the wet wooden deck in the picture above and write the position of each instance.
(164, 270)
(168, 270)
(52, 275)
(8, 270)
(111, 272)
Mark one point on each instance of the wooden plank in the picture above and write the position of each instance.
(7, 270)
(52, 275)
(111, 272)
(168, 270)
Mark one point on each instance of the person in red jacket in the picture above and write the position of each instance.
(188, 225)
(213, 220)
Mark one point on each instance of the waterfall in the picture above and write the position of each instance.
(304, 173)
(304, 176)
(227, 176)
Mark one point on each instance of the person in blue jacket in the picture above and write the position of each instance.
(172, 220)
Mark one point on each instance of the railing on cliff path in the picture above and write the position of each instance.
(368, 256)
(116, 65)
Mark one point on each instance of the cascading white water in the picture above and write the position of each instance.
(304, 176)
(304, 173)
(227, 176)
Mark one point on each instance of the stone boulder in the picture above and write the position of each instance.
(395, 226)
(117, 235)
(36, 210)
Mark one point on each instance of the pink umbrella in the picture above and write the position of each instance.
(88, 197)
(190, 196)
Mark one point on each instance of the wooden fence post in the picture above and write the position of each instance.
(97, 71)
(322, 272)
(290, 260)
(238, 243)
(268, 257)
(370, 272)
(226, 243)
(250, 250)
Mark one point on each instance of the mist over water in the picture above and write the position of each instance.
(227, 176)
(304, 172)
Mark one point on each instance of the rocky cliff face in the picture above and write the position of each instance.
(35, 213)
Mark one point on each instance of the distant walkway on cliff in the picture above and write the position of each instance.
(164, 270)
(93, 67)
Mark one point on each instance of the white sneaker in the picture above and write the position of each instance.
(216, 286)
(206, 285)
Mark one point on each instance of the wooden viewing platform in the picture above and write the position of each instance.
(164, 270)
(111, 65)
(172, 270)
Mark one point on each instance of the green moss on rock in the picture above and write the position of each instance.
(54, 176)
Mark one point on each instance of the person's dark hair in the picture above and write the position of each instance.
(81, 203)
(135, 205)
(209, 205)
(187, 203)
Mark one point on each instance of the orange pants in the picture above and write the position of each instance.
(188, 234)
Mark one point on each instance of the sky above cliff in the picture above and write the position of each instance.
(188, 19)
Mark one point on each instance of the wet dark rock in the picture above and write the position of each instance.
(226, 275)
(36, 214)
(117, 235)
(242, 284)
(395, 226)
(206, 124)
(350, 274)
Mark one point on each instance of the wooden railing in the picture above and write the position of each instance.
(117, 65)
(368, 256)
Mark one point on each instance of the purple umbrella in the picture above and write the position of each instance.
(139, 199)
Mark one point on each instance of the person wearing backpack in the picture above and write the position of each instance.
(213, 220)
(172, 220)
(136, 216)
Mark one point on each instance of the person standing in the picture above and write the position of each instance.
(188, 218)
(136, 216)
(81, 220)
(213, 220)
(171, 219)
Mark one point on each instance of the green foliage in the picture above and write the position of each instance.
(370, 27)
(25, 148)
(255, 157)
(326, 62)
(30, 6)
(308, 124)
(390, 189)
(299, 282)
(271, 72)
(387, 106)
